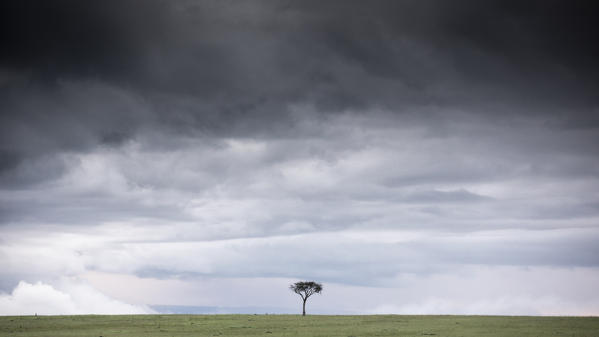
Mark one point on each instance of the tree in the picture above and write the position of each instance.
(305, 290)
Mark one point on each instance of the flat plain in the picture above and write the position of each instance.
(295, 325)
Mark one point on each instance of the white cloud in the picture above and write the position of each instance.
(358, 202)
(70, 298)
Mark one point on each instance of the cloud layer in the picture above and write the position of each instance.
(362, 145)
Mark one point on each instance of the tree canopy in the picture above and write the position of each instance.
(306, 289)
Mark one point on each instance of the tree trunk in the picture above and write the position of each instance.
(304, 308)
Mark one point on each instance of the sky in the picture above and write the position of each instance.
(414, 157)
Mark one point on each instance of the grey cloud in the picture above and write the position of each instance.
(155, 133)
(345, 174)
(444, 196)
(65, 38)
(340, 260)
(241, 66)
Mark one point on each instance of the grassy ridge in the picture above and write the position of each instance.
(292, 325)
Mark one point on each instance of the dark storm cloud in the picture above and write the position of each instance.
(65, 38)
(485, 81)
(219, 67)
(116, 39)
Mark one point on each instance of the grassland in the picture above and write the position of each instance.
(291, 325)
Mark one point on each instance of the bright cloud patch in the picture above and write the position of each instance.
(71, 299)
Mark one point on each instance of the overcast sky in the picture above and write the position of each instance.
(413, 156)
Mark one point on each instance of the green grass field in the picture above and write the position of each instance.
(291, 325)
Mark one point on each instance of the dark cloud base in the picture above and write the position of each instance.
(223, 67)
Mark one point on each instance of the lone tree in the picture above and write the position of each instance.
(305, 290)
